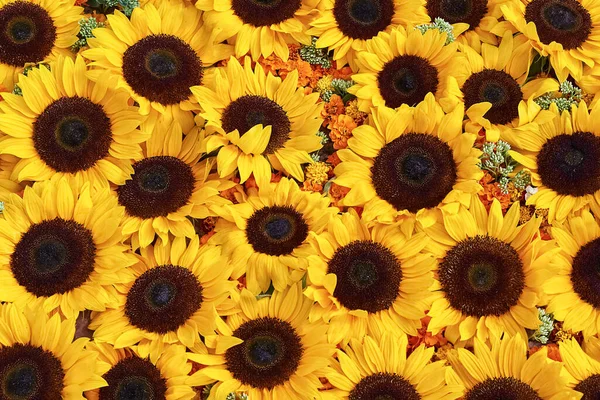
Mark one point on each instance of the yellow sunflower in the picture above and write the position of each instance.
(566, 31)
(65, 124)
(131, 375)
(371, 369)
(472, 20)
(60, 248)
(562, 157)
(35, 31)
(503, 371)
(490, 272)
(260, 27)
(573, 292)
(402, 66)
(269, 350)
(259, 122)
(158, 56)
(495, 94)
(41, 359)
(175, 293)
(368, 278)
(168, 186)
(345, 26)
(266, 236)
(409, 162)
(584, 369)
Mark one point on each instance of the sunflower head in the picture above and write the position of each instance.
(35, 365)
(259, 122)
(34, 32)
(267, 348)
(489, 274)
(409, 162)
(65, 124)
(62, 236)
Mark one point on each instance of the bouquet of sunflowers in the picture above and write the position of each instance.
(299, 199)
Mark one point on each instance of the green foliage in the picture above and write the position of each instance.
(87, 25)
(315, 56)
(496, 160)
(440, 25)
(567, 96)
(542, 334)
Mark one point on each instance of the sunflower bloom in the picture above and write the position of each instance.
(65, 124)
(266, 237)
(269, 350)
(174, 294)
(490, 273)
(39, 357)
(35, 31)
(368, 278)
(380, 369)
(60, 248)
(407, 163)
(259, 122)
(129, 372)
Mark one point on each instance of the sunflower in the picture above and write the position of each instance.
(503, 371)
(260, 27)
(60, 248)
(131, 375)
(584, 369)
(402, 66)
(574, 297)
(408, 163)
(266, 236)
(269, 350)
(345, 26)
(381, 370)
(168, 186)
(471, 19)
(490, 272)
(495, 94)
(562, 157)
(174, 294)
(368, 278)
(566, 31)
(157, 56)
(258, 120)
(41, 359)
(65, 124)
(35, 31)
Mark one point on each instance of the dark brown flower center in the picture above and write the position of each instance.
(563, 21)
(159, 185)
(27, 33)
(502, 389)
(265, 12)
(162, 68)
(590, 387)
(163, 298)
(384, 386)
(363, 19)
(498, 88)
(53, 257)
(250, 110)
(406, 80)
(368, 276)
(482, 276)
(72, 134)
(269, 356)
(414, 171)
(276, 230)
(568, 164)
(134, 379)
(458, 11)
(585, 275)
(30, 373)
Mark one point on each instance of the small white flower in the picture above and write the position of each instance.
(530, 191)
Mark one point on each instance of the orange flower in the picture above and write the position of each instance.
(426, 337)
(334, 160)
(337, 193)
(333, 108)
(341, 127)
(492, 191)
(309, 186)
(553, 351)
